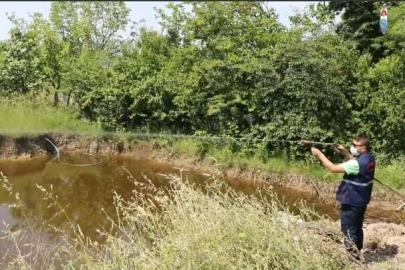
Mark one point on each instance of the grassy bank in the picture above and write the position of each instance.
(24, 115)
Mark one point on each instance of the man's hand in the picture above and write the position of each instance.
(326, 162)
(316, 152)
(341, 149)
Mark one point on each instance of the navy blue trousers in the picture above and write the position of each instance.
(351, 218)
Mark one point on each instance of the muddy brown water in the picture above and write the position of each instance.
(86, 194)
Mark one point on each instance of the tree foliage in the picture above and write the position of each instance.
(21, 69)
(224, 68)
(89, 25)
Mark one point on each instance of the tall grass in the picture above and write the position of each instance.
(31, 115)
(185, 228)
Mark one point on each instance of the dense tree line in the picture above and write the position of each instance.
(223, 68)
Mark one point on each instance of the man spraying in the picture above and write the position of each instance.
(355, 190)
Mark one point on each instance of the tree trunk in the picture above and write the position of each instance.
(68, 99)
(55, 99)
(56, 86)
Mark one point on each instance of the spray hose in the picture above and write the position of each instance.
(71, 164)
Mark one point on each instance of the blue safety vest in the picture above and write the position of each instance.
(356, 189)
